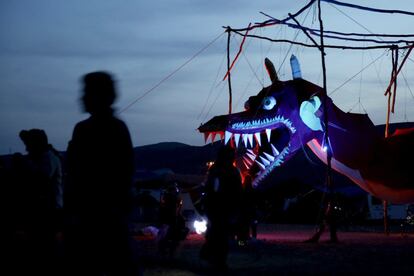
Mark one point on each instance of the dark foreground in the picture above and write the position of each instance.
(280, 250)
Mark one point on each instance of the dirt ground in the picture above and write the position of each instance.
(279, 250)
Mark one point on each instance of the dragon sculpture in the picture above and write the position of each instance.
(286, 115)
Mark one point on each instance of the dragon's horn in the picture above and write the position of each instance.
(271, 70)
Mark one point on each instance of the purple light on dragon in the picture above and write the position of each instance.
(287, 115)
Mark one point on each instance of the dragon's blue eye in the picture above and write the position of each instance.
(269, 103)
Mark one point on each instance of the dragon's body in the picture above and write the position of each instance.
(286, 115)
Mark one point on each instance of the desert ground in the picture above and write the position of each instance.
(280, 250)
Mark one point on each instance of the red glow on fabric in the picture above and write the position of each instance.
(403, 131)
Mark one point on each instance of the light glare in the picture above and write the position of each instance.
(200, 226)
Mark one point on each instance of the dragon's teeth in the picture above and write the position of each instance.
(262, 167)
(269, 157)
(257, 136)
(274, 150)
(244, 137)
(246, 164)
(268, 133)
(250, 137)
(251, 156)
(247, 160)
(213, 137)
(251, 151)
(206, 136)
(227, 136)
(237, 139)
(265, 161)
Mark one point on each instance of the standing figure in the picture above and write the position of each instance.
(329, 220)
(39, 187)
(222, 202)
(248, 216)
(172, 223)
(98, 192)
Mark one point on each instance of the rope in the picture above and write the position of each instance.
(237, 55)
(406, 83)
(405, 102)
(250, 65)
(261, 57)
(215, 100)
(317, 32)
(343, 47)
(214, 85)
(287, 53)
(399, 68)
(360, 82)
(352, 19)
(395, 82)
(171, 74)
(237, 105)
(368, 8)
(351, 78)
(347, 35)
(259, 66)
(377, 71)
(333, 3)
(295, 37)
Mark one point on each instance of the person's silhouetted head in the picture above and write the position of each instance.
(98, 92)
(35, 141)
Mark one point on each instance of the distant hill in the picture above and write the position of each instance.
(304, 167)
(180, 158)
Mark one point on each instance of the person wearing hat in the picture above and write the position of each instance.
(41, 195)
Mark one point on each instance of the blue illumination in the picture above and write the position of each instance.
(294, 64)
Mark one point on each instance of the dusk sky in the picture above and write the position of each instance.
(47, 45)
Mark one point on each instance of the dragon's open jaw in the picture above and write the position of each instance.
(267, 142)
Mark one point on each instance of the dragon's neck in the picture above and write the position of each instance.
(353, 137)
(358, 151)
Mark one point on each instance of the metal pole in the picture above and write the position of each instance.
(330, 205)
(325, 107)
(393, 82)
(228, 69)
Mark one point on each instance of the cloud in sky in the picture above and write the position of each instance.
(47, 45)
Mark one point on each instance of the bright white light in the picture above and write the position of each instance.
(200, 226)
(325, 148)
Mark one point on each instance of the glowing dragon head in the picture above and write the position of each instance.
(275, 124)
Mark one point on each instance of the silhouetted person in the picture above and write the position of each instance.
(222, 201)
(15, 218)
(172, 223)
(37, 180)
(248, 209)
(329, 220)
(17, 194)
(98, 192)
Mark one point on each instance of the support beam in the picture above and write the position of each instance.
(228, 69)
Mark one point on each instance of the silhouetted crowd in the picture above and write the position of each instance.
(81, 227)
